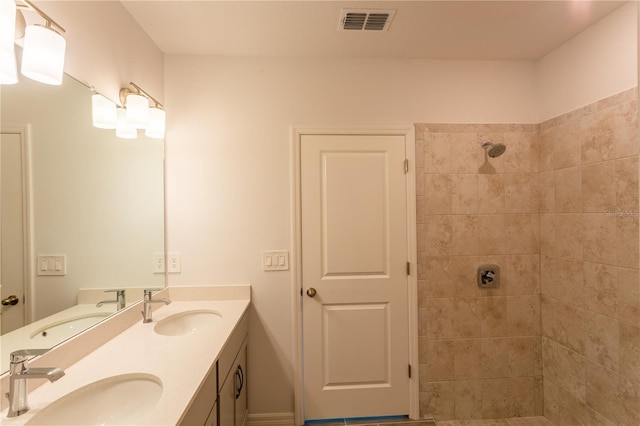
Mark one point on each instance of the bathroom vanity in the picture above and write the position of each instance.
(187, 366)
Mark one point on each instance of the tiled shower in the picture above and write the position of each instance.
(559, 213)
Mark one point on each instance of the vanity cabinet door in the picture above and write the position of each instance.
(226, 399)
(202, 407)
(240, 377)
(213, 416)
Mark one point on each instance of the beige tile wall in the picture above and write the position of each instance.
(589, 264)
(559, 213)
(479, 349)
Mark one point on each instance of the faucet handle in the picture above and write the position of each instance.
(118, 290)
(23, 355)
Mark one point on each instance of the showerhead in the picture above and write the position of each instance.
(493, 150)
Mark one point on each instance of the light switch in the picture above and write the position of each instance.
(275, 260)
(52, 264)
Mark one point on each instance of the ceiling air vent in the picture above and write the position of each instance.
(366, 19)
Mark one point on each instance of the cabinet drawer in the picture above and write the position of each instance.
(228, 355)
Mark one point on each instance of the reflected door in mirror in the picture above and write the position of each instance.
(12, 230)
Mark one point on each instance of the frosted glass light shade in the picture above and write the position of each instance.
(43, 55)
(137, 110)
(8, 68)
(103, 112)
(123, 128)
(155, 128)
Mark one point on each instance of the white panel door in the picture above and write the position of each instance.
(12, 231)
(354, 255)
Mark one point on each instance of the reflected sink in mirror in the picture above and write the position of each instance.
(62, 330)
(118, 400)
(185, 323)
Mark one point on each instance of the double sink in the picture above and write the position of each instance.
(135, 395)
(150, 377)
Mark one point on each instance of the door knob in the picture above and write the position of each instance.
(311, 292)
(11, 300)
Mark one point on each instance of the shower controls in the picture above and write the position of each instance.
(489, 276)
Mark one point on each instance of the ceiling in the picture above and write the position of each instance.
(489, 30)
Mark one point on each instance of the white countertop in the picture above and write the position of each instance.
(180, 362)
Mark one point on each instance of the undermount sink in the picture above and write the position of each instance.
(189, 322)
(62, 330)
(117, 400)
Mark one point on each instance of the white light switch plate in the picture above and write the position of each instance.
(51, 264)
(276, 260)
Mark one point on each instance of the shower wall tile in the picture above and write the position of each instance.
(464, 190)
(491, 193)
(566, 146)
(597, 131)
(598, 184)
(628, 281)
(468, 399)
(590, 301)
(627, 238)
(601, 289)
(522, 273)
(478, 210)
(600, 238)
(568, 190)
(627, 184)
(437, 152)
(625, 127)
(602, 342)
(438, 188)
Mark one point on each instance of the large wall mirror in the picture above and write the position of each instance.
(81, 212)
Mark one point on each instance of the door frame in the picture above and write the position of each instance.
(27, 217)
(296, 259)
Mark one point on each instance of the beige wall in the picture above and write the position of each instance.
(589, 263)
(595, 64)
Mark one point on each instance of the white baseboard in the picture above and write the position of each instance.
(271, 419)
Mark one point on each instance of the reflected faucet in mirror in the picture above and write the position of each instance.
(120, 299)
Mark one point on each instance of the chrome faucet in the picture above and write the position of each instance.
(19, 373)
(146, 310)
(120, 299)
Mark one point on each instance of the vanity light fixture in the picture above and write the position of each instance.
(124, 130)
(103, 112)
(8, 67)
(44, 49)
(139, 114)
(43, 46)
(155, 127)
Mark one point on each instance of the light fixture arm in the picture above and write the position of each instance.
(139, 91)
(26, 4)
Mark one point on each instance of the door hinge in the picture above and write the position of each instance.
(408, 268)
(409, 370)
(406, 165)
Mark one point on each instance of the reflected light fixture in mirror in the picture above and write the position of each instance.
(103, 112)
(156, 125)
(137, 114)
(137, 107)
(125, 130)
(8, 66)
